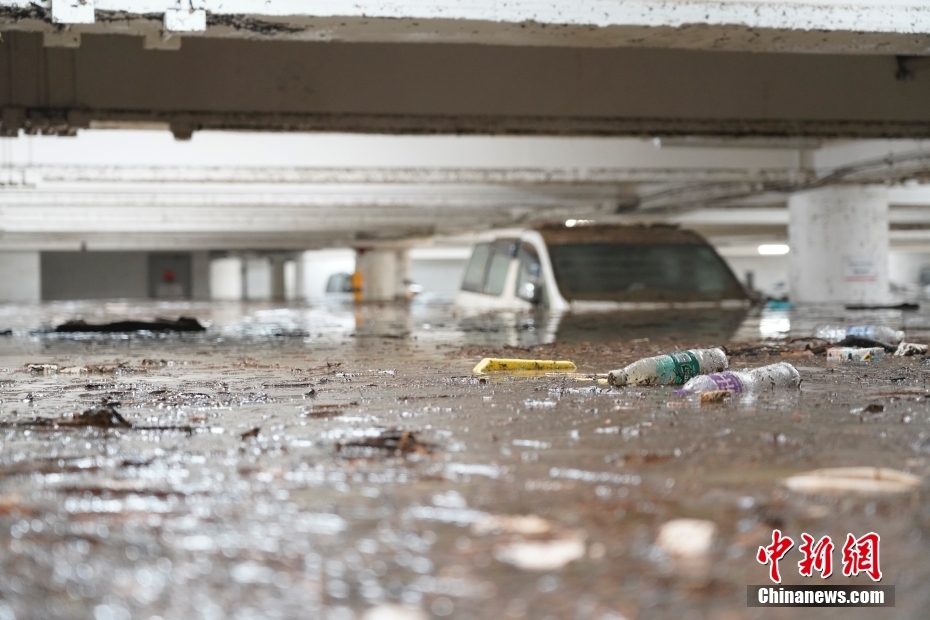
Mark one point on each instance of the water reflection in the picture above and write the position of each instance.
(435, 321)
(774, 324)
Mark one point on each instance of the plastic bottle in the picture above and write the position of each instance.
(879, 333)
(855, 354)
(672, 369)
(773, 376)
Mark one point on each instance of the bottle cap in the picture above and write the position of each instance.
(717, 359)
(617, 378)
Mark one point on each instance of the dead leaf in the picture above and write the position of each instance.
(716, 396)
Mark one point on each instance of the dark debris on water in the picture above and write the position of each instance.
(104, 416)
(394, 441)
(183, 324)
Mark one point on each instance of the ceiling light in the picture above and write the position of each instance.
(773, 249)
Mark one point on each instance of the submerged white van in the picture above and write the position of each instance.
(598, 267)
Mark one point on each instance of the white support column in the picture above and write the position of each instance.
(379, 277)
(839, 245)
(292, 279)
(384, 273)
(20, 277)
(258, 278)
(278, 288)
(402, 273)
(226, 279)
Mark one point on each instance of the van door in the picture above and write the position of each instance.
(490, 276)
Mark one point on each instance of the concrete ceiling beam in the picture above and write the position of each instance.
(870, 27)
(418, 88)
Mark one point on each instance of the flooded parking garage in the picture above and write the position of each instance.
(234, 384)
(331, 461)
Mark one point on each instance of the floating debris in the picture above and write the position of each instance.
(672, 369)
(327, 410)
(252, 434)
(866, 343)
(491, 364)
(539, 404)
(541, 555)
(183, 324)
(73, 370)
(906, 349)
(857, 479)
(906, 306)
(870, 332)
(395, 441)
(686, 538)
(850, 354)
(45, 369)
(102, 417)
(527, 525)
(715, 396)
(390, 611)
(774, 376)
(288, 384)
(872, 408)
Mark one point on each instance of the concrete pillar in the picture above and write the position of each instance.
(839, 245)
(402, 273)
(200, 275)
(257, 278)
(384, 274)
(291, 275)
(278, 288)
(20, 277)
(226, 279)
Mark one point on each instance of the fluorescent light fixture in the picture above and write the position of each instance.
(570, 223)
(773, 249)
(573, 223)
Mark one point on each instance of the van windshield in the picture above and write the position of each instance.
(642, 272)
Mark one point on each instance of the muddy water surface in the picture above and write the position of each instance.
(322, 461)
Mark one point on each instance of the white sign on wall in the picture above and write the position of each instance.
(859, 269)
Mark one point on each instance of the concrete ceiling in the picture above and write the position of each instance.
(590, 67)
(821, 26)
(704, 113)
(108, 189)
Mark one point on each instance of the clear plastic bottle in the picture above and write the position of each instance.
(672, 369)
(774, 376)
(879, 333)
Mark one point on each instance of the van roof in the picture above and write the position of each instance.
(555, 234)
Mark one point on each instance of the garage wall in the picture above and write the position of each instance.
(94, 275)
(19, 277)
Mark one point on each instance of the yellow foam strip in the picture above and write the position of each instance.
(490, 364)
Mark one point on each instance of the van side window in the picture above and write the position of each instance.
(529, 280)
(504, 252)
(488, 267)
(474, 273)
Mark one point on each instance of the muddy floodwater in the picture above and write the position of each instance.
(323, 461)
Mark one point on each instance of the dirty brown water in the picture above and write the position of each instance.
(263, 492)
